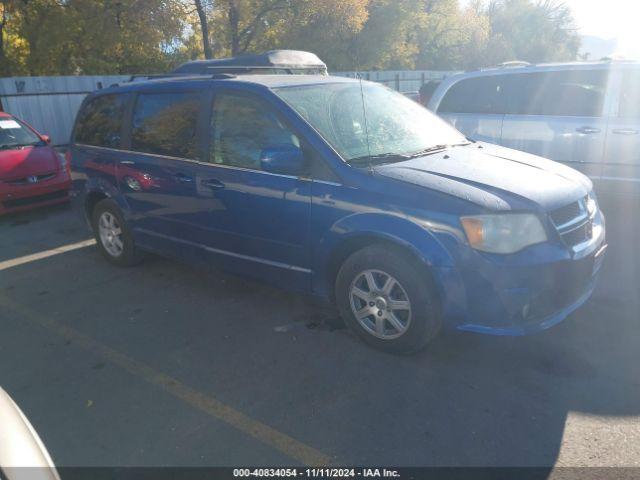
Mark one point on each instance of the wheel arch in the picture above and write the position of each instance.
(400, 234)
(97, 189)
(91, 200)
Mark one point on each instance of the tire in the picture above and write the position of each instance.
(386, 323)
(128, 256)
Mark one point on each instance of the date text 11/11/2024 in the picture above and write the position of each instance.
(316, 472)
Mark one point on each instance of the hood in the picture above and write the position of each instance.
(493, 177)
(27, 161)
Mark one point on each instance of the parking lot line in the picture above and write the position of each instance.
(214, 408)
(14, 262)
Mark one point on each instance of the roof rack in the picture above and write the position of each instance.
(273, 61)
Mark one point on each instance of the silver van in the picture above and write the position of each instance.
(586, 115)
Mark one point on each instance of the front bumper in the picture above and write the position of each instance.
(17, 198)
(521, 293)
(531, 311)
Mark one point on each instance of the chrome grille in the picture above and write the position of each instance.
(25, 180)
(573, 223)
(566, 214)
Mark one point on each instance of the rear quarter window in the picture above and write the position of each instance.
(99, 123)
(474, 95)
(166, 124)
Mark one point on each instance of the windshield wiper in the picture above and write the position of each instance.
(19, 145)
(378, 159)
(389, 157)
(436, 148)
(427, 151)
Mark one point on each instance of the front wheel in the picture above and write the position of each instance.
(388, 300)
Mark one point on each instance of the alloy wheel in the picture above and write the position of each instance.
(380, 304)
(111, 234)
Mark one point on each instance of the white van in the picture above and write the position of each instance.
(586, 115)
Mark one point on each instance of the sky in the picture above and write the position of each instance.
(613, 20)
(610, 20)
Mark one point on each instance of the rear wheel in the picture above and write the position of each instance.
(387, 300)
(113, 236)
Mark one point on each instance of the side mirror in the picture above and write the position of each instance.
(46, 139)
(283, 159)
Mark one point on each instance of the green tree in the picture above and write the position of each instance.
(450, 38)
(329, 29)
(389, 37)
(94, 36)
(539, 31)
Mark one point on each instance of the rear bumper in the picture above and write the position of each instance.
(17, 198)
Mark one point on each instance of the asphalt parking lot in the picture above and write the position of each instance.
(166, 365)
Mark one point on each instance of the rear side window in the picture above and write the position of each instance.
(629, 104)
(100, 121)
(569, 93)
(474, 95)
(166, 124)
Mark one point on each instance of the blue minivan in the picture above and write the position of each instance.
(342, 189)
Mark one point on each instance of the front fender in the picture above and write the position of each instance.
(396, 229)
(434, 244)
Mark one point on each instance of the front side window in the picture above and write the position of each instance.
(14, 134)
(100, 121)
(166, 124)
(242, 127)
(481, 95)
(369, 120)
(567, 93)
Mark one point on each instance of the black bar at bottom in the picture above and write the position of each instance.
(417, 473)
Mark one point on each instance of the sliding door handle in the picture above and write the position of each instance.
(212, 183)
(588, 130)
(182, 178)
(625, 131)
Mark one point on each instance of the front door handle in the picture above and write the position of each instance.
(625, 131)
(588, 130)
(212, 183)
(182, 178)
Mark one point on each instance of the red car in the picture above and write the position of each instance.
(32, 173)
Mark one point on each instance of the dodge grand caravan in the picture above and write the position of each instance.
(586, 115)
(342, 189)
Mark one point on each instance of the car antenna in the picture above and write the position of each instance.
(364, 110)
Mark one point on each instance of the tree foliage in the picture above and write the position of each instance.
(48, 37)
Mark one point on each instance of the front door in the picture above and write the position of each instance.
(258, 222)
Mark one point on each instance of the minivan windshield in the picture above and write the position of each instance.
(14, 134)
(398, 128)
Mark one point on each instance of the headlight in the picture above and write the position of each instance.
(507, 233)
(592, 204)
(63, 160)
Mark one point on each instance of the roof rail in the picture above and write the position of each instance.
(617, 59)
(222, 76)
(514, 63)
